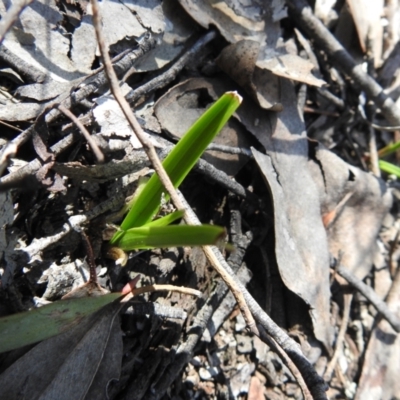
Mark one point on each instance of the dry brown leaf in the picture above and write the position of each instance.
(301, 245)
(353, 203)
(77, 364)
(44, 91)
(257, 21)
(367, 19)
(251, 59)
(165, 18)
(239, 60)
(20, 111)
(380, 373)
(293, 67)
(40, 39)
(182, 105)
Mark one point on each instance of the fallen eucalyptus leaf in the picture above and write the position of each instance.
(77, 364)
(183, 104)
(301, 245)
(353, 206)
(18, 330)
(257, 21)
(239, 61)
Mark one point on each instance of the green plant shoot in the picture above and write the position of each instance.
(389, 168)
(177, 164)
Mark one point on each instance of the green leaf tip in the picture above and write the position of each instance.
(389, 168)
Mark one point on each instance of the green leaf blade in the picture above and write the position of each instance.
(389, 168)
(149, 237)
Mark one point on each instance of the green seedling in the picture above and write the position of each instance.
(385, 166)
(389, 168)
(140, 229)
(389, 149)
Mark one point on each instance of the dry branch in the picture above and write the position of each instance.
(341, 59)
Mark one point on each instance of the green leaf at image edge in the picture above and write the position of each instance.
(389, 168)
(181, 160)
(29, 327)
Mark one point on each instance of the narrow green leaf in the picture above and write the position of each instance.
(29, 327)
(181, 160)
(389, 168)
(167, 220)
(389, 149)
(149, 237)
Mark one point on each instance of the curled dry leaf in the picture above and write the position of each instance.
(239, 60)
(251, 59)
(256, 69)
(20, 111)
(182, 105)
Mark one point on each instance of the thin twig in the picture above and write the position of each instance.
(34, 165)
(230, 149)
(163, 176)
(220, 264)
(340, 339)
(288, 362)
(10, 126)
(12, 14)
(169, 75)
(87, 88)
(90, 256)
(168, 288)
(137, 129)
(97, 152)
(314, 382)
(6, 153)
(303, 16)
(371, 296)
(27, 71)
(373, 153)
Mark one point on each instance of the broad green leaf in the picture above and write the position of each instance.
(29, 327)
(149, 237)
(180, 161)
(389, 168)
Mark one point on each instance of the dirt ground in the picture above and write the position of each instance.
(303, 178)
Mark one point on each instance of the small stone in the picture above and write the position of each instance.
(244, 344)
(196, 361)
(240, 323)
(205, 374)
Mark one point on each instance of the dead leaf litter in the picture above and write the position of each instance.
(293, 177)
